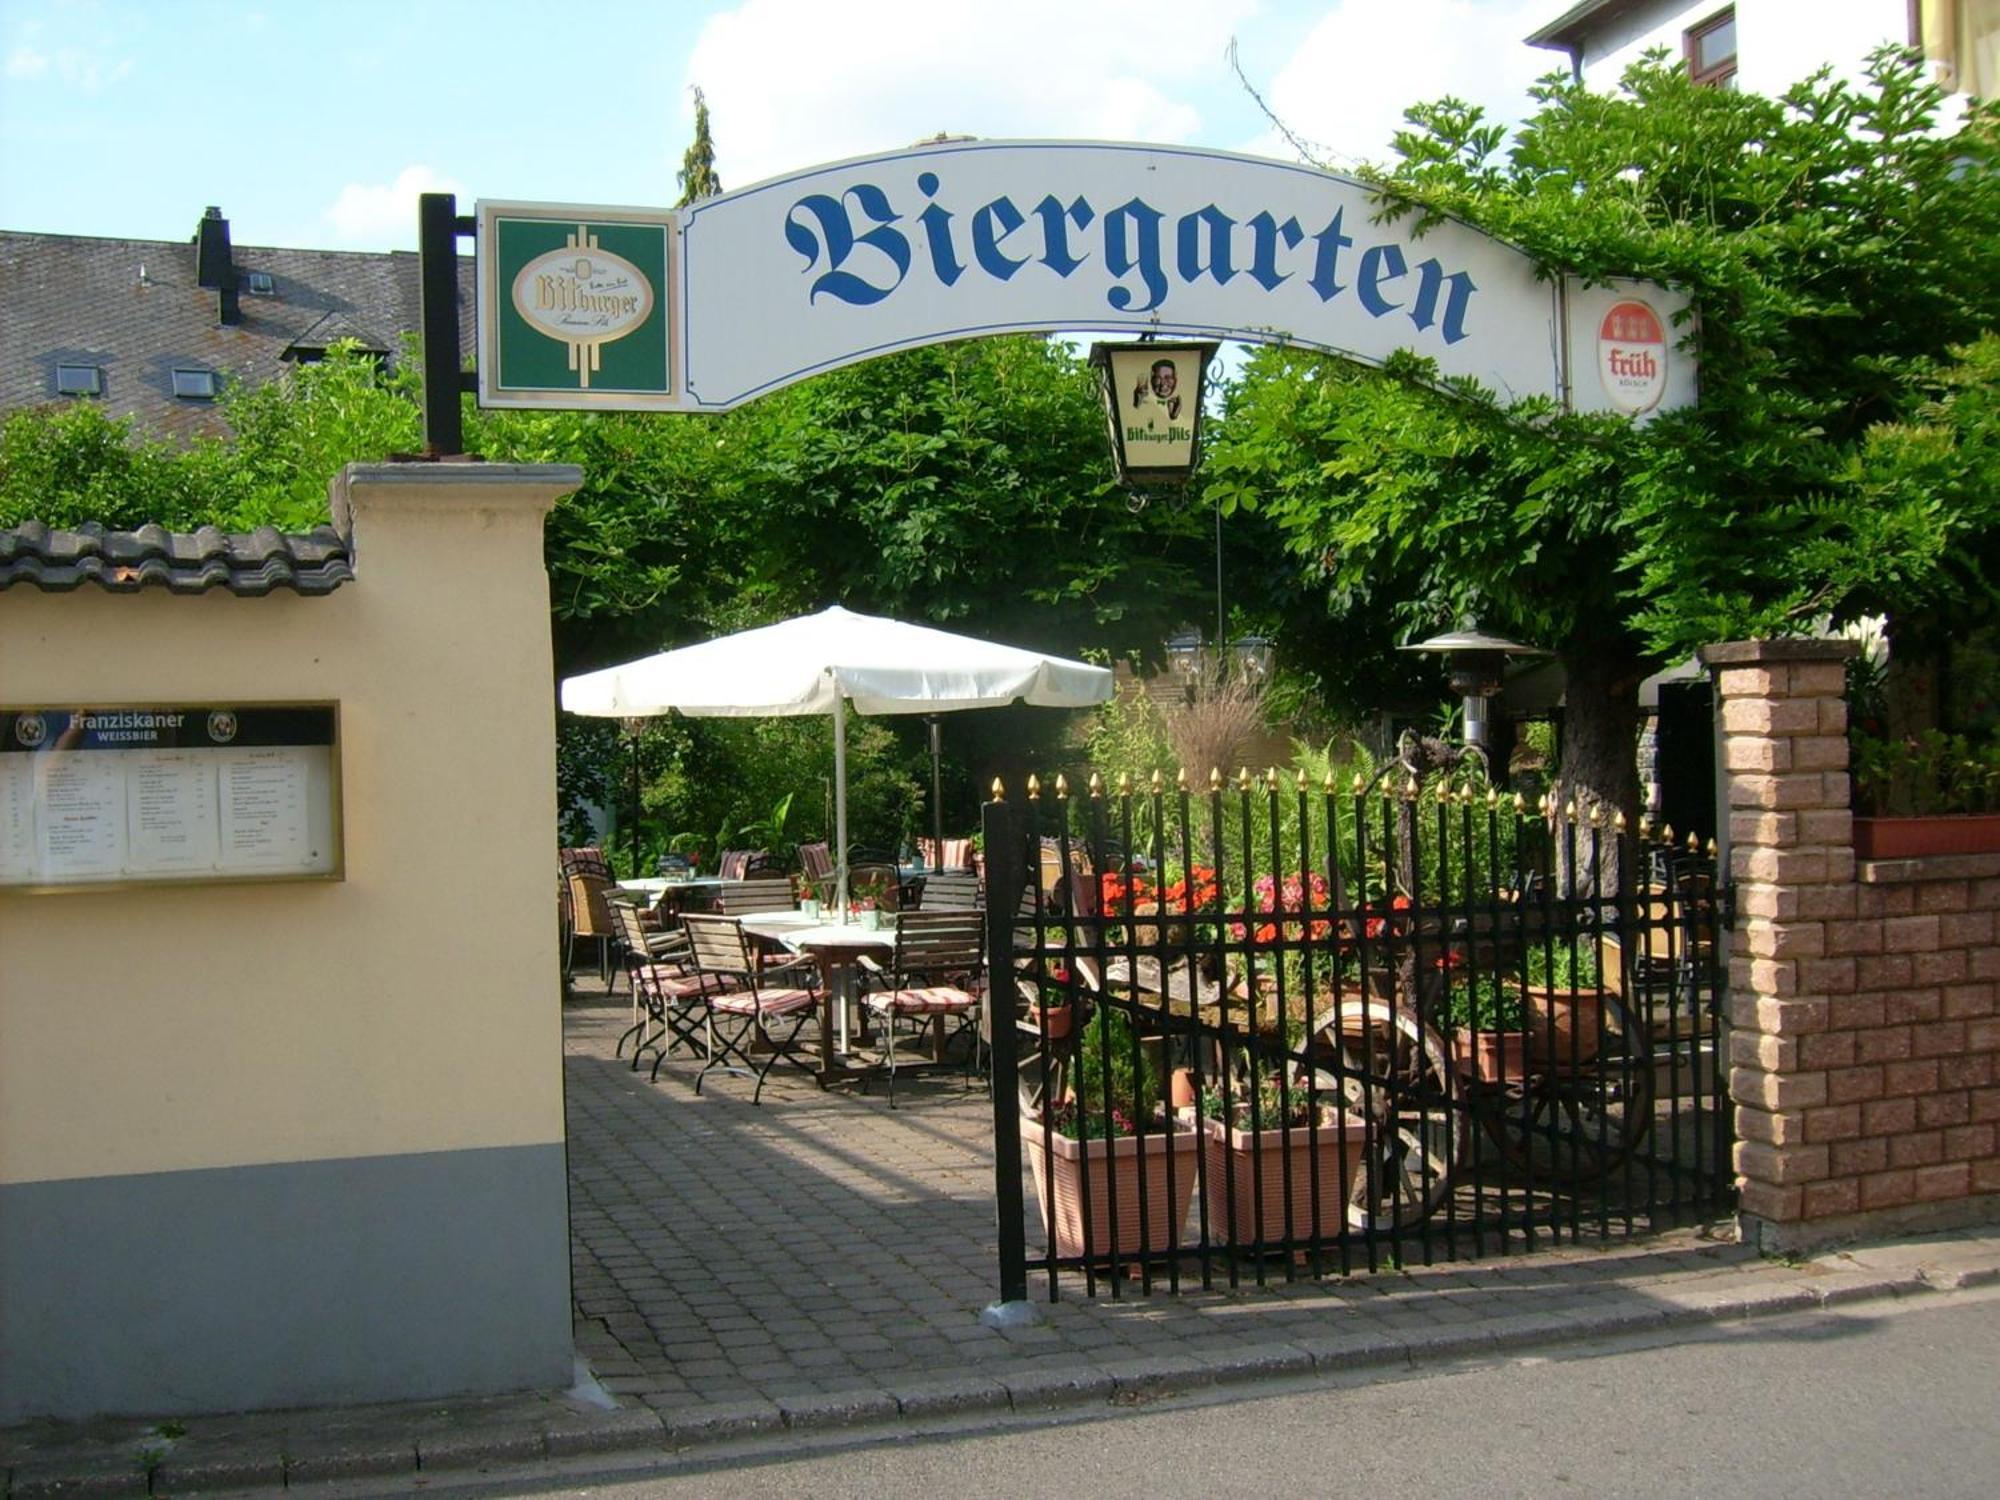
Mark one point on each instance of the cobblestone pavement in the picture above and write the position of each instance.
(823, 1247)
(744, 1274)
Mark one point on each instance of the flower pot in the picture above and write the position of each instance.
(1116, 1169)
(1241, 1162)
(1490, 1056)
(1910, 838)
(1058, 1020)
(1563, 1025)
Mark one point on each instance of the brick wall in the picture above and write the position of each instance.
(1864, 1049)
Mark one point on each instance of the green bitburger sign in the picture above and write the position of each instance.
(579, 305)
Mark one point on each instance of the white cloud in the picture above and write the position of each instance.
(1344, 91)
(26, 62)
(794, 83)
(383, 216)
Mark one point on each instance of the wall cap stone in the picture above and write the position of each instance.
(1789, 649)
(1927, 867)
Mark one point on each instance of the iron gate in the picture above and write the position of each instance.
(1289, 1031)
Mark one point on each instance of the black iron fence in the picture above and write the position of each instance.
(1279, 1031)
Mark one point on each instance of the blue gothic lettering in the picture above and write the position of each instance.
(986, 243)
(838, 239)
(937, 231)
(1188, 233)
(1134, 219)
(1055, 232)
(1326, 261)
(1368, 285)
(1430, 276)
(1265, 233)
(831, 232)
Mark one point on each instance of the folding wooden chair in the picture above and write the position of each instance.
(742, 1004)
(666, 990)
(934, 973)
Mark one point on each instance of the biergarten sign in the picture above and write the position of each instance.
(708, 307)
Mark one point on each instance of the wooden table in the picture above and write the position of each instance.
(837, 949)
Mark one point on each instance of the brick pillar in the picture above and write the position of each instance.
(1782, 709)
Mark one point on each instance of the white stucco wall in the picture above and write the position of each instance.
(1778, 42)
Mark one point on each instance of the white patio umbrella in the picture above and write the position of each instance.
(817, 664)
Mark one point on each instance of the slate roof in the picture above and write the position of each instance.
(35, 556)
(133, 308)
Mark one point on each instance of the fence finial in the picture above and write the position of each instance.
(1520, 805)
(1327, 784)
(1302, 778)
(1410, 790)
(1124, 783)
(1712, 849)
(1694, 843)
(1492, 798)
(1242, 778)
(1034, 787)
(1618, 821)
(1667, 835)
(1271, 779)
(1569, 811)
(1159, 782)
(1215, 778)
(1360, 783)
(1180, 780)
(999, 790)
(1096, 785)
(1062, 785)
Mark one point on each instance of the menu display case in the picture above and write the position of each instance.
(147, 794)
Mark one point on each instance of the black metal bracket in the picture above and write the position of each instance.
(440, 226)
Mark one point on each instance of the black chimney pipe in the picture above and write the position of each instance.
(215, 267)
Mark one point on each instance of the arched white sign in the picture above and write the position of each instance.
(823, 268)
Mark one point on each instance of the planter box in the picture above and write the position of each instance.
(1563, 1032)
(1240, 1215)
(1908, 838)
(1116, 1170)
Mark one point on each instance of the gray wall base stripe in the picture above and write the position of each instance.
(293, 1284)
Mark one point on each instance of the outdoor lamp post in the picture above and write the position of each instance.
(634, 726)
(1152, 403)
(1475, 662)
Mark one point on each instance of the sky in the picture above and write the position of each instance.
(316, 123)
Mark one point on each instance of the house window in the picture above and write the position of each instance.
(195, 385)
(79, 380)
(1711, 50)
(259, 283)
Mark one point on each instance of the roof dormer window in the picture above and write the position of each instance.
(259, 284)
(79, 380)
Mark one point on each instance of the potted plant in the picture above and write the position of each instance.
(1258, 1141)
(1106, 1143)
(1929, 793)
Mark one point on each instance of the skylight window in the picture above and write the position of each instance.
(195, 385)
(79, 380)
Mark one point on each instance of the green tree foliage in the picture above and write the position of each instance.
(697, 177)
(1837, 247)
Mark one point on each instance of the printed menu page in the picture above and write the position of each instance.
(264, 809)
(170, 797)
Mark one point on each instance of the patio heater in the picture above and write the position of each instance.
(1475, 662)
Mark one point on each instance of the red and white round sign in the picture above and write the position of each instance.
(1632, 357)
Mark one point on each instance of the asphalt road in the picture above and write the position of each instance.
(1887, 1399)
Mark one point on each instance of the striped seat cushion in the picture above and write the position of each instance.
(670, 984)
(764, 1003)
(931, 1000)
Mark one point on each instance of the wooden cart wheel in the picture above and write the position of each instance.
(1576, 1122)
(1395, 1072)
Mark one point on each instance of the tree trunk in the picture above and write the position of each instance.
(1600, 767)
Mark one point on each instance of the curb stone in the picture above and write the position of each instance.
(389, 1440)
